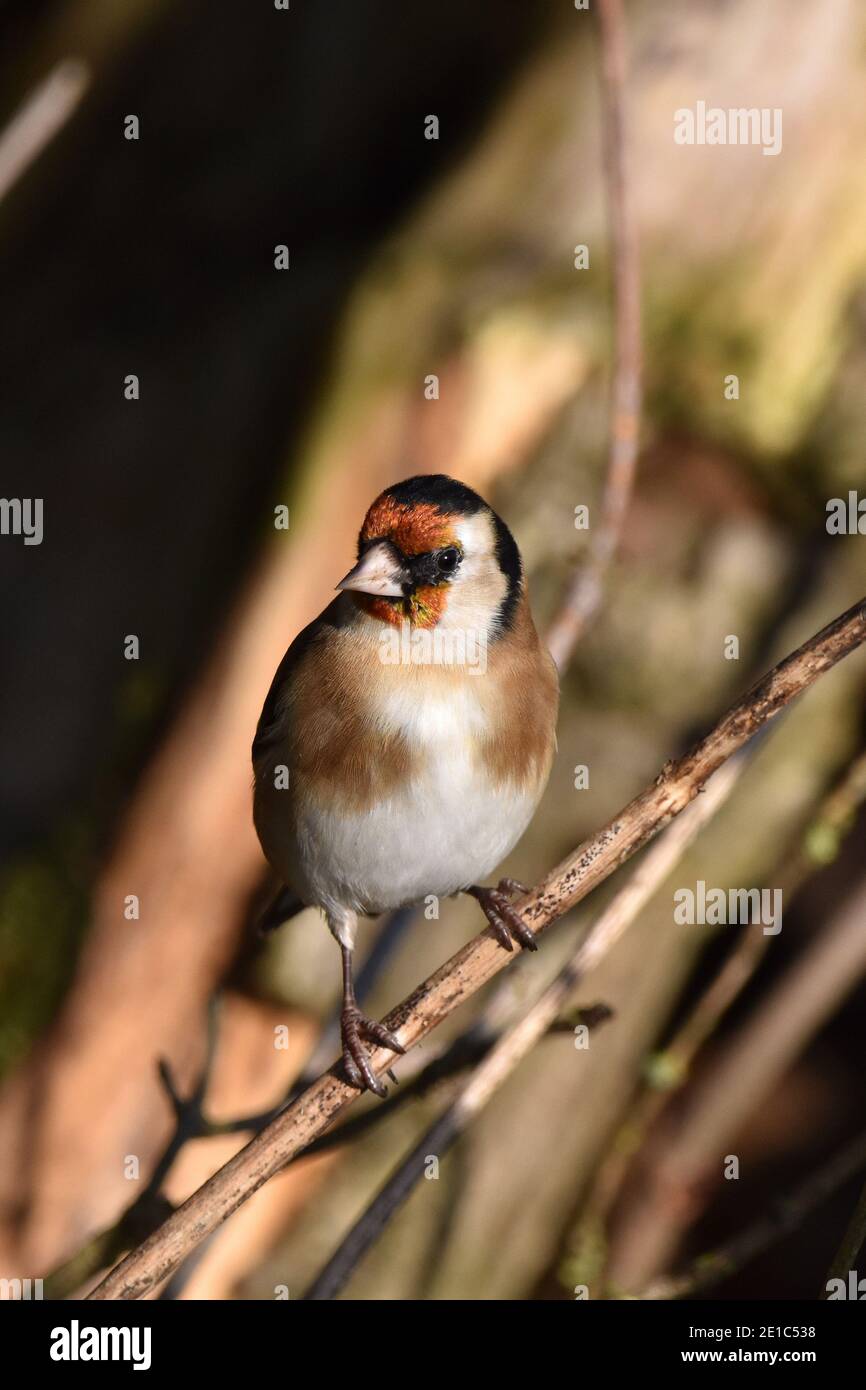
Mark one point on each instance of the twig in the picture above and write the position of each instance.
(387, 941)
(188, 1110)
(482, 958)
(785, 1215)
(687, 1149)
(816, 845)
(150, 1207)
(38, 120)
(522, 1036)
(583, 595)
(823, 834)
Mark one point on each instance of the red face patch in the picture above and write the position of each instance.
(414, 530)
(424, 608)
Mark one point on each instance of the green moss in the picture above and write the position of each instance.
(45, 893)
(43, 911)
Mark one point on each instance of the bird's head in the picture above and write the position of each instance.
(433, 553)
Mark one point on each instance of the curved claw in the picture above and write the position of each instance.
(353, 1026)
(505, 921)
(354, 1076)
(510, 886)
(378, 1033)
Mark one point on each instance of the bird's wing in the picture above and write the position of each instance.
(270, 726)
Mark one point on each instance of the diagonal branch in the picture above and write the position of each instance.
(482, 958)
(673, 1066)
(43, 114)
(151, 1206)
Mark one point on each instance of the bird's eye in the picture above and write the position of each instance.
(447, 560)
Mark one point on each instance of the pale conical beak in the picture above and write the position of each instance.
(377, 572)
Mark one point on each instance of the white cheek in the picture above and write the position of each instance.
(475, 598)
(478, 587)
(478, 543)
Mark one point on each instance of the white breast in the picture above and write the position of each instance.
(449, 827)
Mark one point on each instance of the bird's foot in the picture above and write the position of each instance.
(354, 1027)
(507, 924)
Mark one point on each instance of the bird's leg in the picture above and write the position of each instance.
(504, 919)
(353, 1027)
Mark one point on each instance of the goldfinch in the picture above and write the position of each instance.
(409, 731)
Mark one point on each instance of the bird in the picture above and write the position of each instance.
(409, 732)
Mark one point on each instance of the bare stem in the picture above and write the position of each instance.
(38, 120)
(583, 595)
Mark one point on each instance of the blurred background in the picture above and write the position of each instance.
(305, 388)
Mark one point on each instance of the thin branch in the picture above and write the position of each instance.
(583, 595)
(823, 834)
(389, 937)
(464, 1052)
(784, 1216)
(684, 1154)
(814, 847)
(522, 1036)
(38, 120)
(150, 1207)
(482, 958)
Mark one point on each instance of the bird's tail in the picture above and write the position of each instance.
(283, 905)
